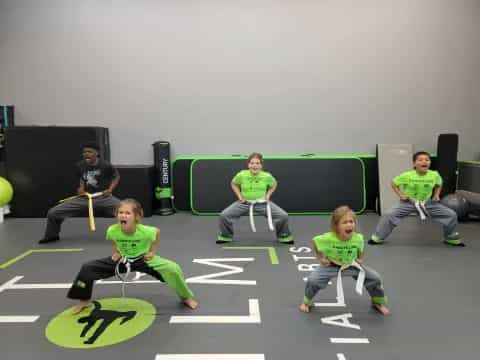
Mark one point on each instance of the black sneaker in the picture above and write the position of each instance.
(48, 239)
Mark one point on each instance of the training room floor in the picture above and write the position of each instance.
(431, 287)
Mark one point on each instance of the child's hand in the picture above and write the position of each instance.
(404, 197)
(116, 256)
(149, 255)
(436, 198)
(359, 261)
(325, 262)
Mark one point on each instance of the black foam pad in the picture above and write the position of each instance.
(137, 182)
(469, 176)
(305, 185)
(446, 163)
(371, 181)
(181, 183)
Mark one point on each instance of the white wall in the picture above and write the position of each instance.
(224, 76)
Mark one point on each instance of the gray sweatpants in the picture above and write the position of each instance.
(104, 205)
(237, 209)
(437, 211)
(319, 278)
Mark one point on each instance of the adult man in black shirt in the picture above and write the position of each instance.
(96, 176)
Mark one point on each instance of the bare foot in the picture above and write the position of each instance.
(80, 306)
(192, 304)
(305, 308)
(382, 309)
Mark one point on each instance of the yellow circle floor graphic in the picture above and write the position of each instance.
(105, 322)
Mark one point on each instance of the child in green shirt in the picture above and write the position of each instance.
(342, 249)
(135, 244)
(419, 191)
(249, 185)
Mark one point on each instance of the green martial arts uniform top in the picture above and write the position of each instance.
(253, 187)
(133, 245)
(339, 251)
(418, 187)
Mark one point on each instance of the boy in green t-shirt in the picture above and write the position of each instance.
(252, 185)
(134, 245)
(419, 191)
(342, 250)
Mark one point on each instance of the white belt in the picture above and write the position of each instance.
(358, 285)
(127, 261)
(252, 204)
(422, 210)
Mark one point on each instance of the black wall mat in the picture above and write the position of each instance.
(447, 151)
(371, 181)
(40, 164)
(181, 183)
(307, 185)
(137, 182)
(469, 176)
(163, 183)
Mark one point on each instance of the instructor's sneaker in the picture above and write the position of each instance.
(48, 239)
(375, 240)
(223, 239)
(454, 240)
(285, 239)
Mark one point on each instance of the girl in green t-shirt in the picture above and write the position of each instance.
(337, 250)
(133, 244)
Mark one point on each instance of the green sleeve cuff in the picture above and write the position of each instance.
(379, 300)
(307, 301)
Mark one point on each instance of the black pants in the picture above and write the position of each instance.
(82, 286)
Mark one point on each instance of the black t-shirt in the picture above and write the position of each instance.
(96, 177)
